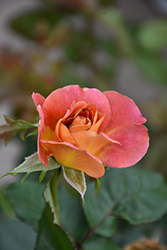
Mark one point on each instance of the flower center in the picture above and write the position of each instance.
(79, 123)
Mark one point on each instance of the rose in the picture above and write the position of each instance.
(84, 128)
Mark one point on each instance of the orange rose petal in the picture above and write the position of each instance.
(77, 106)
(70, 156)
(59, 103)
(46, 133)
(65, 134)
(80, 123)
(96, 97)
(73, 111)
(54, 137)
(91, 141)
(95, 126)
(89, 111)
(80, 109)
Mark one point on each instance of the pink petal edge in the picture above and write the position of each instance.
(124, 111)
(126, 128)
(42, 152)
(134, 142)
(38, 99)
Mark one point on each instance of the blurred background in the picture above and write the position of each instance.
(107, 44)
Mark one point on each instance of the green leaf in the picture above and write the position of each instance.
(51, 236)
(108, 227)
(25, 177)
(33, 164)
(76, 179)
(28, 204)
(42, 176)
(137, 195)
(9, 130)
(32, 133)
(5, 205)
(71, 214)
(99, 243)
(27, 201)
(16, 235)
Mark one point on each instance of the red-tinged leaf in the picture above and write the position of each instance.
(7, 133)
(9, 130)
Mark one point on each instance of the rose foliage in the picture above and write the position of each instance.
(84, 128)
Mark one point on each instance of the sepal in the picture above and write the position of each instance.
(76, 179)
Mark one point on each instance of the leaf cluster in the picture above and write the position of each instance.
(134, 195)
(9, 130)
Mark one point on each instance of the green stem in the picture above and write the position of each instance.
(54, 193)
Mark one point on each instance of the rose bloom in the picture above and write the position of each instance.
(83, 129)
